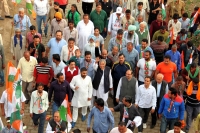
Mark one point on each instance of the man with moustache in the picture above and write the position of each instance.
(131, 35)
(38, 107)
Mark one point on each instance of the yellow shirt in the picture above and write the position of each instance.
(173, 7)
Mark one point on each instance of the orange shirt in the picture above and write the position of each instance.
(166, 70)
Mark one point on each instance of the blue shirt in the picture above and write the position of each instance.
(113, 42)
(175, 57)
(55, 47)
(102, 120)
(138, 48)
(131, 57)
(6, 130)
(25, 21)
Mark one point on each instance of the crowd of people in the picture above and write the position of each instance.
(147, 67)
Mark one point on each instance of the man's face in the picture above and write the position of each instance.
(128, 15)
(140, 19)
(166, 61)
(147, 81)
(129, 75)
(71, 44)
(146, 56)
(71, 25)
(98, 8)
(177, 129)
(192, 69)
(56, 7)
(129, 47)
(27, 56)
(88, 58)
(122, 129)
(140, 7)
(179, 83)
(143, 44)
(174, 49)
(102, 65)
(58, 36)
(118, 15)
(169, 94)
(21, 14)
(18, 33)
(61, 79)
(86, 19)
(119, 36)
(58, 19)
(36, 41)
(104, 54)
(72, 65)
(130, 33)
(78, 53)
(159, 79)
(96, 32)
(32, 32)
(184, 18)
(115, 50)
(8, 125)
(91, 40)
(56, 117)
(40, 89)
(83, 74)
(162, 31)
(159, 18)
(142, 27)
(121, 59)
(175, 20)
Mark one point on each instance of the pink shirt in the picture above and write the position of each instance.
(29, 37)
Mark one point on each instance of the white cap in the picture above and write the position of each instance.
(119, 10)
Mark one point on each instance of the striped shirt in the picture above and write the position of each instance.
(192, 100)
(42, 74)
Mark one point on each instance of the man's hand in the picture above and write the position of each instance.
(13, 57)
(97, 60)
(111, 109)
(136, 105)
(117, 100)
(3, 66)
(152, 111)
(76, 88)
(159, 116)
(89, 99)
(31, 115)
(109, 32)
(88, 129)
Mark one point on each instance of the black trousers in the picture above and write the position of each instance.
(87, 7)
(63, 7)
(115, 84)
(144, 113)
(154, 116)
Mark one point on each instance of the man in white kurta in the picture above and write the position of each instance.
(100, 93)
(7, 107)
(85, 28)
(82, 87)
(18, 43)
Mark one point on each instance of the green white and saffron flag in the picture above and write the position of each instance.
(64, 110)
(163, 11)
(29, 6)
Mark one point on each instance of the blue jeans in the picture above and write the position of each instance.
(2, 77)
(39, 20)
(192, 113)
(165, 122)
(42, 118)
(55, 107)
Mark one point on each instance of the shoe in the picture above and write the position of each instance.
(152, 126)
(1, 18)
(144, 125)
(8, 17)
(73, 124)
(139, 132)
(27, 101)
(83, 118)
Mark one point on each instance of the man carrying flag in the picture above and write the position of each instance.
(195, 21)
(38, 107)
(8, 128)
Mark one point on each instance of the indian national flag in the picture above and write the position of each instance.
(17, 85)
(64, 110)
(15, 119)
(10, 78)
(194, 18)
(29, 7)
(170, 37)
(1, 125)
(163, 11)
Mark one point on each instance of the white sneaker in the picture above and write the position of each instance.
(139, 132)
(144, 125)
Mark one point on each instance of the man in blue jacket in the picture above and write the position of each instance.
(171, 109)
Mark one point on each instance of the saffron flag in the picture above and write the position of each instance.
(170, 37)
(194, 18)
(163, 11)
(1, 125)
(64, 110)
(10, 78)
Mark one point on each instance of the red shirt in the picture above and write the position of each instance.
(62, 2)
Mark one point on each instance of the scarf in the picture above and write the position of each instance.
(70, 53)
(190, 74)
(15, 41)
(190, 89)
(170, 106)
(146, 68)
(125, 115)
(142, 52)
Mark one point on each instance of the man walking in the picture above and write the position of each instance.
(38, 107)
(27, 74)
(82, 86)
(4, 5)
(103, 118)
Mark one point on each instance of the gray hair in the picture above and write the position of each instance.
(143, 23)
(174, 46)
(21, 10)
(102, 60)
(160, 75)
(18, 29)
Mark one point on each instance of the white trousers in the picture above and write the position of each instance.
(75, 112)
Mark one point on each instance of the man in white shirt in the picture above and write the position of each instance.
(82, 87)
(68, 50)
(85, 28)
(177, 128)
(41, 8)
(7, 107)
(145, 101)
(38, 107)
(139, 11)
(114, 23)
(26, 66)
(145, 67)
(121, 128)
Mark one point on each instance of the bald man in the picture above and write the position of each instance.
(104, 55)
(161, 87)
(114, 54)
(27, 73)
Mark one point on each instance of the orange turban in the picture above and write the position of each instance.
(58, 15)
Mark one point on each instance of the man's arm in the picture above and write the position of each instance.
(31, 103)
(90, 115)
(50, 92)
(69, 92)
(118, 90)
(111, 119)
(156, 73)
(182, 110)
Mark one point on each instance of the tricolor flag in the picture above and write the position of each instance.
(17, 85)
(171, 36)
(10, 78)
(29, 7)
(1, 125)
(163, 11)
(64, 110)
(194, 18)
